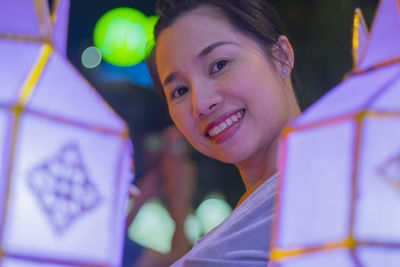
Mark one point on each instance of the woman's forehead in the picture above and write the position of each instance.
(188, 36)
(195, 29)
(193, 32)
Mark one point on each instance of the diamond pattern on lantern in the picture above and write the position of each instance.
(390, 171)
(63, 188)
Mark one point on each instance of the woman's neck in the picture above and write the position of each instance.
(257, 169)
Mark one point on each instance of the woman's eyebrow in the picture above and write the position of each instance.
(212, 46)
(170, 78)
(203, 53)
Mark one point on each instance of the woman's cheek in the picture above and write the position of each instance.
(176, 112)
(180, 120)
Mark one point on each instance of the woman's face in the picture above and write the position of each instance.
(222, 91)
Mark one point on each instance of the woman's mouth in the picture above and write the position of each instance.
(215, 131)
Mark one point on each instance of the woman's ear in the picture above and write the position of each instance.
(283, 53)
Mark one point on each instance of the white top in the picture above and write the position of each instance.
(243, 238)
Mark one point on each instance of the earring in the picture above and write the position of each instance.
(284, 72)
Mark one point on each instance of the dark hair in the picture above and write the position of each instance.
(255, 18)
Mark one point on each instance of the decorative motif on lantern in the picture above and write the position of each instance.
(339, 201)
(65, 156)
(63, 188)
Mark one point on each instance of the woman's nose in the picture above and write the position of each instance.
(205, 100)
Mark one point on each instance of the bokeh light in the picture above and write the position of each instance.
(122, 35)
(151, 22)
(153, 227)
(193, 229)
(212, 211)
(91, 57)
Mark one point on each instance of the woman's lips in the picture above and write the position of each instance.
(224, 124)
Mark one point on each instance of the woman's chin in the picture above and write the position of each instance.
(233, 156)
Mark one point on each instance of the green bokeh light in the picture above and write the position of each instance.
(212, 211)
(91, 57)
(123, 35)
(153, 227)
(192, 228)
(151, 22)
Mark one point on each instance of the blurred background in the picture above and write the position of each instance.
(320, 32)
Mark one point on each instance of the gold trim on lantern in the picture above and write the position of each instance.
(33, 77)
(382, 64)
(355, 43)
(388, 114)
(277, 200)
(349, 243)
(43, 17)
(125, 146)
(53, 12)
(279, 254)
(334, 120)
(98, 128)
(338, 119)
(17, 110)
(356, 158)
(358, 21)
(27, 38)
(15, 124)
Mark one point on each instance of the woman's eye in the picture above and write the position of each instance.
(218, 66)
(179, 92)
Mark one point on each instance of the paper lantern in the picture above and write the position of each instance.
(65, 158)
(339, 191)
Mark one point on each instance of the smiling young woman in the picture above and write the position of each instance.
(224, 68)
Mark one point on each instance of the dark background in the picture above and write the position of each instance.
(320, 32)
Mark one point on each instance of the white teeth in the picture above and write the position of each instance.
(225, 124)
(217, 130)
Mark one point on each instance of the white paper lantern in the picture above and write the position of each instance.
(65, 156)
(339, 192)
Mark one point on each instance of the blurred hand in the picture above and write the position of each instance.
(178, 174)
(173, 177)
